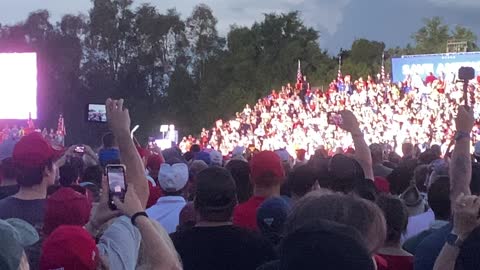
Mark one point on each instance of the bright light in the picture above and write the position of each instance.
(18, 85)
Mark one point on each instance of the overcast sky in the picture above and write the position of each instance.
(339, 21)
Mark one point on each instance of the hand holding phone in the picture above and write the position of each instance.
(334, 118)
(117, 186)
(79, 149)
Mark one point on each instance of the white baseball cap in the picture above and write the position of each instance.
(216, 158)
(173, 178)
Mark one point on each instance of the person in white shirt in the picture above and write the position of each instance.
(173, 180)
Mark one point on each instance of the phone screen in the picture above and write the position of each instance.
(116, 183)
(80, 149)
(334, 118)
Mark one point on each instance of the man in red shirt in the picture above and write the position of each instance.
(267, 176)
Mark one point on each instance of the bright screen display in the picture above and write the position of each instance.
(447, 64)
(18, 85)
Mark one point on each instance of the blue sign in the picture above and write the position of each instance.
(439, 64)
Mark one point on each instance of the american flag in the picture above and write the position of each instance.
(382, 72)
(61, 126)
(339, 76)
(299, 73)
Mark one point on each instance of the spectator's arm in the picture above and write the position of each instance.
(90, 156)
(461, 163)
(63, 159)
(119, 121)
(157, 244)
(465, 208)
(362, 152)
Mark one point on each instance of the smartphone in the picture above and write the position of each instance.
(80, 149)
(334, 118)
(96, 113)
(117, 187)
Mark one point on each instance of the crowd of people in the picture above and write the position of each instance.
(416, 110)
(256, 209)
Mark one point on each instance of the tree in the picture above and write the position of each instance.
(432, 37)
(461, 33)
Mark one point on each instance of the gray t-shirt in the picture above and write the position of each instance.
(120, 243)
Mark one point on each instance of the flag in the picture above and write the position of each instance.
(30, 123)
(299, 73)
(382, 72)
(339, 75)
(61, 126)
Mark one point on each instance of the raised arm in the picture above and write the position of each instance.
(362, 152)
(465, 209)
(461, 163)
(119, 122)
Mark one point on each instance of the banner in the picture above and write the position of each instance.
(439, 64)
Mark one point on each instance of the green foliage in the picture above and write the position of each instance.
(181, 71)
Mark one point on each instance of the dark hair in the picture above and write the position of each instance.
(93, 174)
(301, 180)
(396, 216)
(420, 175)
(195, 148)
(108, 140)
(68, 174)
(401, 177)
(407, 149)
(439, 198)
(240, 171)
(29, 177)
(215, 197)
(7, 169)
(366, 189)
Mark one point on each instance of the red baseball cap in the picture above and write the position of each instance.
(266, 162)
(34, 151)
(69, 248)
(66, 207)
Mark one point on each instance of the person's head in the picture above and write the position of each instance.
(345, 172)
(215, 196)
(68, 175)
(33, 158)
(271, 217)
(187, 218)
(69, 247)
(108, 140)
(349, 210)
(7, 170)
(324, 245)
(396, 216)
(401, 177)
(173, 178)
(240, 171)
(153, 164)
(420, 175)
(436, 150)
(266, 170)
(16, 235)
(195, 148)
(302, 180)
(62, 209)
(439, 198)
(216, 158)
(93, 174)
(407, 149)
(377, 153)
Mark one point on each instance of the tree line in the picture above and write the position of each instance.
(181, 71)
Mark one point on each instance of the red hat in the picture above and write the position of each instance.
(69, 248)
(66, 207)
(142, 151)
(154, 161)
(34, 151)
(266, 162)
(382, 184)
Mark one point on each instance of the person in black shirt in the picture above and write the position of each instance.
(8, 185)
(214, 243)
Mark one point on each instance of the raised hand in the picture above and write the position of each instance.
(466, 218)
(465, 120)
(117, 116)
